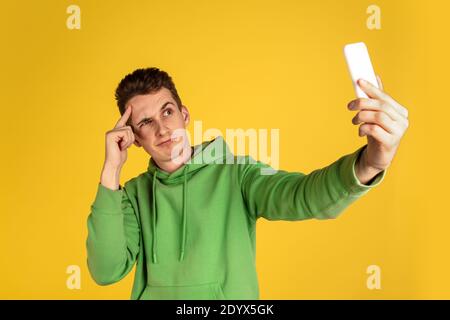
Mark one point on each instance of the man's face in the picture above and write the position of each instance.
(154, 118)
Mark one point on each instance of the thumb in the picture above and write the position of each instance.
(380, 84)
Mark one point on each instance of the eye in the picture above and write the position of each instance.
(167, 112)
(146, 121)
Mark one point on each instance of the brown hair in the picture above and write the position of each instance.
(144, 81)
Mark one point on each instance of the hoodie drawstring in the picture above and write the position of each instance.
(154, 218)
(183, 233)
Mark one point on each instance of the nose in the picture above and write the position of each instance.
(161, 130)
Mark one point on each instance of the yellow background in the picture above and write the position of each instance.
(236, 64)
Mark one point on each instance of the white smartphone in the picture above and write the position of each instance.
(359, 66)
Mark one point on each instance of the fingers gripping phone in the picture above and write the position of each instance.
(359, 66)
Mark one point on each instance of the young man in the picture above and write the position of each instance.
(189, 221)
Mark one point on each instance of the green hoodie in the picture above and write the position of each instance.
(192, 232)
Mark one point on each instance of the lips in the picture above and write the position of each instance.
(167, 142)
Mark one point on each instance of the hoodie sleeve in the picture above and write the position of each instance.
(321, 194)
(113, 236)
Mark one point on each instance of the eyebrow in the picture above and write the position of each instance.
(164, 106)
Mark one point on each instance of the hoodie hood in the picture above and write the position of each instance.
(215, 151)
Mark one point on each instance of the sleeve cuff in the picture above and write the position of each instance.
(108, 200)
(351, 182)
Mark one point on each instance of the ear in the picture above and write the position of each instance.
(136, 142)
(186, 115)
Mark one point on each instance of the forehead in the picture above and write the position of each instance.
(148, 104)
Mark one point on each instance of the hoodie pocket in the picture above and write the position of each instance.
(207, 291)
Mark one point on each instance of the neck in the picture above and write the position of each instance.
(171, 166)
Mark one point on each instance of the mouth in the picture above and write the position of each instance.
(166, 143)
